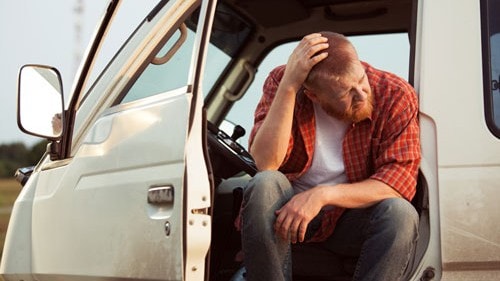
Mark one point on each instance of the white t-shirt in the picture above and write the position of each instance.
(327, 165)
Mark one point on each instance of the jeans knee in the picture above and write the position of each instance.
(398, 216)
(265, 193)
(267, 188)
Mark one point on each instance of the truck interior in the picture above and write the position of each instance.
(247, 30)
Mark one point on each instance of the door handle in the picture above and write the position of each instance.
(161, 195)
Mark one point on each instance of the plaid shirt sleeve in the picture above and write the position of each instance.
(387, 147)
(269, 91)
(398, 150)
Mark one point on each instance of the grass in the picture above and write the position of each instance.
(9, 189)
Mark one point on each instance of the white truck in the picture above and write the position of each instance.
(139, 182)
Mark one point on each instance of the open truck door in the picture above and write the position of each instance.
(125, 191)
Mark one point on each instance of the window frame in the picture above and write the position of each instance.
(489, 112)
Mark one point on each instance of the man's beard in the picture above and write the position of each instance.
(352, 116)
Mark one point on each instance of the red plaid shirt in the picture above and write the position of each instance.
(384, 147)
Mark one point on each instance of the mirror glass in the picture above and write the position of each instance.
(40, 105)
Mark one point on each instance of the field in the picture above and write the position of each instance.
(9, 189)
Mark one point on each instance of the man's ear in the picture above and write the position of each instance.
(311, 95)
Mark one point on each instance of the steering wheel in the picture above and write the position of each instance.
(227, 156)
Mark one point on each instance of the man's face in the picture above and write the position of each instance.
(348, 98)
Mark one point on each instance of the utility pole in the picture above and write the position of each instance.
(78, 10)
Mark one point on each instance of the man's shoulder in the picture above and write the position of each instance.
(387, 84)
(382, 77)
(278, 71)
(391, 93)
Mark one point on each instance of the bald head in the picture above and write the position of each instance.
(340, 61)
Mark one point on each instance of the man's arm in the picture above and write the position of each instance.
(270, 143)
(357, 195)
(293, 218)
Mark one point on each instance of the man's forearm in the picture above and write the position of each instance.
(271, 141)
(296, 214)
(357, 195)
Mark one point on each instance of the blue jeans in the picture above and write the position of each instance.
(382, 236)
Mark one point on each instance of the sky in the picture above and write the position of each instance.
(40, 32)
(57, 32)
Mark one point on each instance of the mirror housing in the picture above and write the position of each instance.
(40, 105)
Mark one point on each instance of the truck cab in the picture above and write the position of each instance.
(147, 161)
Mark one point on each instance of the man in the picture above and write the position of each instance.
(336, 142)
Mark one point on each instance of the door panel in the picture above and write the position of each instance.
(110, 228)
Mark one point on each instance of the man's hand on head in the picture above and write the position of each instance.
(270, 144)
(303, 58)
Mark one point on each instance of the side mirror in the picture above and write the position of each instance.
(40, 102)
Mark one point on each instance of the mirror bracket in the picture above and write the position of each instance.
(55, 150)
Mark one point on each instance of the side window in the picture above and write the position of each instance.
(169, 69)
(392, 53)
(167, 73)
(129, 15)
(491, 63)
